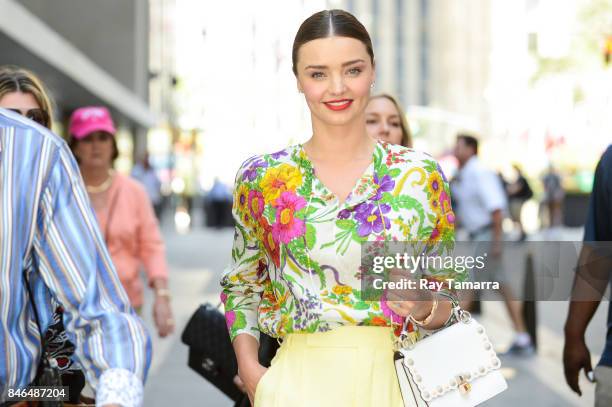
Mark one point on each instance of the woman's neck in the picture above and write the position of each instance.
(94, 176)
(340, 143)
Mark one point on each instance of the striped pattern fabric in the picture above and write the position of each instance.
(49, 235)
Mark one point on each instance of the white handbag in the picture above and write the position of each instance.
(455, 367)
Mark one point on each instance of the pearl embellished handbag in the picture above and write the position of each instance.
(454, 367)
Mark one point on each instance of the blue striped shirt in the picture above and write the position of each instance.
(49, 232)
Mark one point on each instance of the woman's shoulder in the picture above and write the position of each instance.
(129, 184)
(257, 165)
(406, 158)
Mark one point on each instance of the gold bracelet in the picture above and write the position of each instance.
(429, 317)
(163, 292)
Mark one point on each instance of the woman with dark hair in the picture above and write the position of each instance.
(124, 212)
(302, 215)
(386, 121)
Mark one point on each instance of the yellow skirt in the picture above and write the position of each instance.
(350, 366)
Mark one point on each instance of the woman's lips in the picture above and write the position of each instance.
(337, 105)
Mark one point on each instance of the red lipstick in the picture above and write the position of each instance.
(337, 105)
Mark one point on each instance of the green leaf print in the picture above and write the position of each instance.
(311, 236)
(346, 224)
(432, 218)
(378, 157)
(240, 321)
(395, 172)
(382, 171)
(430, 166)
(269, 213)
(361, 305)
(408, 202)
(386, 198)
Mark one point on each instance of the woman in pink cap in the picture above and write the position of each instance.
(124, 212)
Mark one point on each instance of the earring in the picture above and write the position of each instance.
(372, 85)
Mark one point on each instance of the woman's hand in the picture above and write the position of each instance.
(404, 302)
(250, 375)
(419, 304)
(162, 314)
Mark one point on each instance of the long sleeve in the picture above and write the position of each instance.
(150, 244)
(243, 280)
(442, 237)
(69, 252)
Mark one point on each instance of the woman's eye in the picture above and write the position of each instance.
(371, 121)
(316, 75)
(354, 71)
(395, 124)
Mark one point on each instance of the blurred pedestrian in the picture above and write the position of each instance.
(52, 253)
(553, 197)
(386, 120)
(24, 93)
(481, 203)
(518, 192)
(124, 212)
(592, 277)
(291, 276)
(219, 200)
(146, 175)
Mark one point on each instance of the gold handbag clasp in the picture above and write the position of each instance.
(464, 386)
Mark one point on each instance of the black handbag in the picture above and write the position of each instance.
(47, 374)
(210, 349)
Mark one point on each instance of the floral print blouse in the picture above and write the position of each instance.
(296, 255)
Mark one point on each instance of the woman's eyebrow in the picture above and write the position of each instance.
(343, 65)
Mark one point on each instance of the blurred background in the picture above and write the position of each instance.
(201, 85)
(189, 80)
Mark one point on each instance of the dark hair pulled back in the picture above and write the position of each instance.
(330, 23)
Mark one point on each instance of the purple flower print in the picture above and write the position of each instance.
(344, 214)
(441, 173)
(251, 173)
(278, 154)
(371, 219)
(386, 184)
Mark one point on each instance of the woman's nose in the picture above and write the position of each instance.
(337, 85)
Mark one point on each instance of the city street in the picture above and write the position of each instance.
(197, 259)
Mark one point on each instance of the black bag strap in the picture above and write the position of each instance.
(31, 297)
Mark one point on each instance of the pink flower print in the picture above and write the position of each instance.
(287, 226)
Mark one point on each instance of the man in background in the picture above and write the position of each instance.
(51, 252)
(593, 275)
(479, 201)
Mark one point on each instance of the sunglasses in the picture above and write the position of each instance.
(38, 115)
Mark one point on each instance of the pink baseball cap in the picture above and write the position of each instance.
(86, 120)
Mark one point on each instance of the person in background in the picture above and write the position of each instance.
(24, 93)
(593, 275)
(219, 201)
(124, 213)
(553, 197)
(146, 175)
(51, 252)
(386, 121)
(518, 192)
(481, 203)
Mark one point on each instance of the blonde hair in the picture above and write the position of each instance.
(16, 79)
(406, 135)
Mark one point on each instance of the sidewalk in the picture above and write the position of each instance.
(197, 260)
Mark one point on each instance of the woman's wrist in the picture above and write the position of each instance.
(425, 309)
